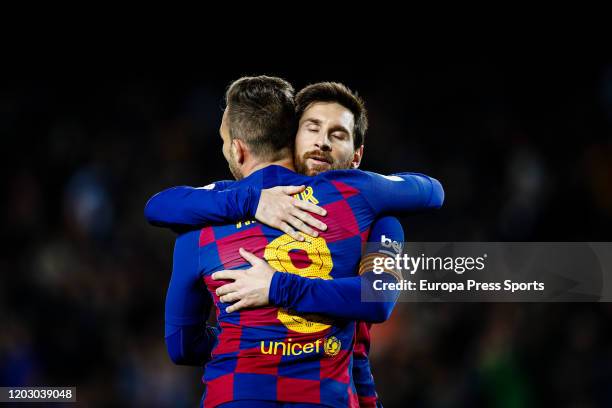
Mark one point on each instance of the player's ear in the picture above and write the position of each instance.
(357, 156)
(238, 149)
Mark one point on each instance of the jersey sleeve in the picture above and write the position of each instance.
(364, 382)
(189, 340)
(401, 192)
(342, 298)
(184, 206)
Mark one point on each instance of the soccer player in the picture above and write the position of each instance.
(353, 198)
(332, 127)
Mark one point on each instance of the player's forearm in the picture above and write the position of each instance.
(188, 206)
(189, 341)
(342, 298)
(339, 298)
(364, 382)
(191, 345)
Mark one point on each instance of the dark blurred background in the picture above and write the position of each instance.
(522, 146)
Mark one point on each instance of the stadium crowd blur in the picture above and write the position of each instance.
(524, 152)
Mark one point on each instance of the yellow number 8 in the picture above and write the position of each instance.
(277, 255)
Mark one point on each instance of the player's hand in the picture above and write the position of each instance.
(279, 209)
(250, 288)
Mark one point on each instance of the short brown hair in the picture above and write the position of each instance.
(341, 94)
(261, 112)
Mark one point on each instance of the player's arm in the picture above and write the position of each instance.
(364, 381)
(397, 193)
(342, 298)
(184, 207)
(189, 340)
(402, 192)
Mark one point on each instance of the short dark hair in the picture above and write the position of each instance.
(262, 114)
(339, 93)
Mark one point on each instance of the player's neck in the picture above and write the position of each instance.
(286, 163)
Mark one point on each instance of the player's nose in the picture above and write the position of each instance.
(323, 144)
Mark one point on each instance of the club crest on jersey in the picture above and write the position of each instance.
(332, 346)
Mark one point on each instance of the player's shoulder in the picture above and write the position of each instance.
(188, 239)
(360, 177)
(347, 174)
(270, 176)
(388, 226)
(387, 221)
(217, 185)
